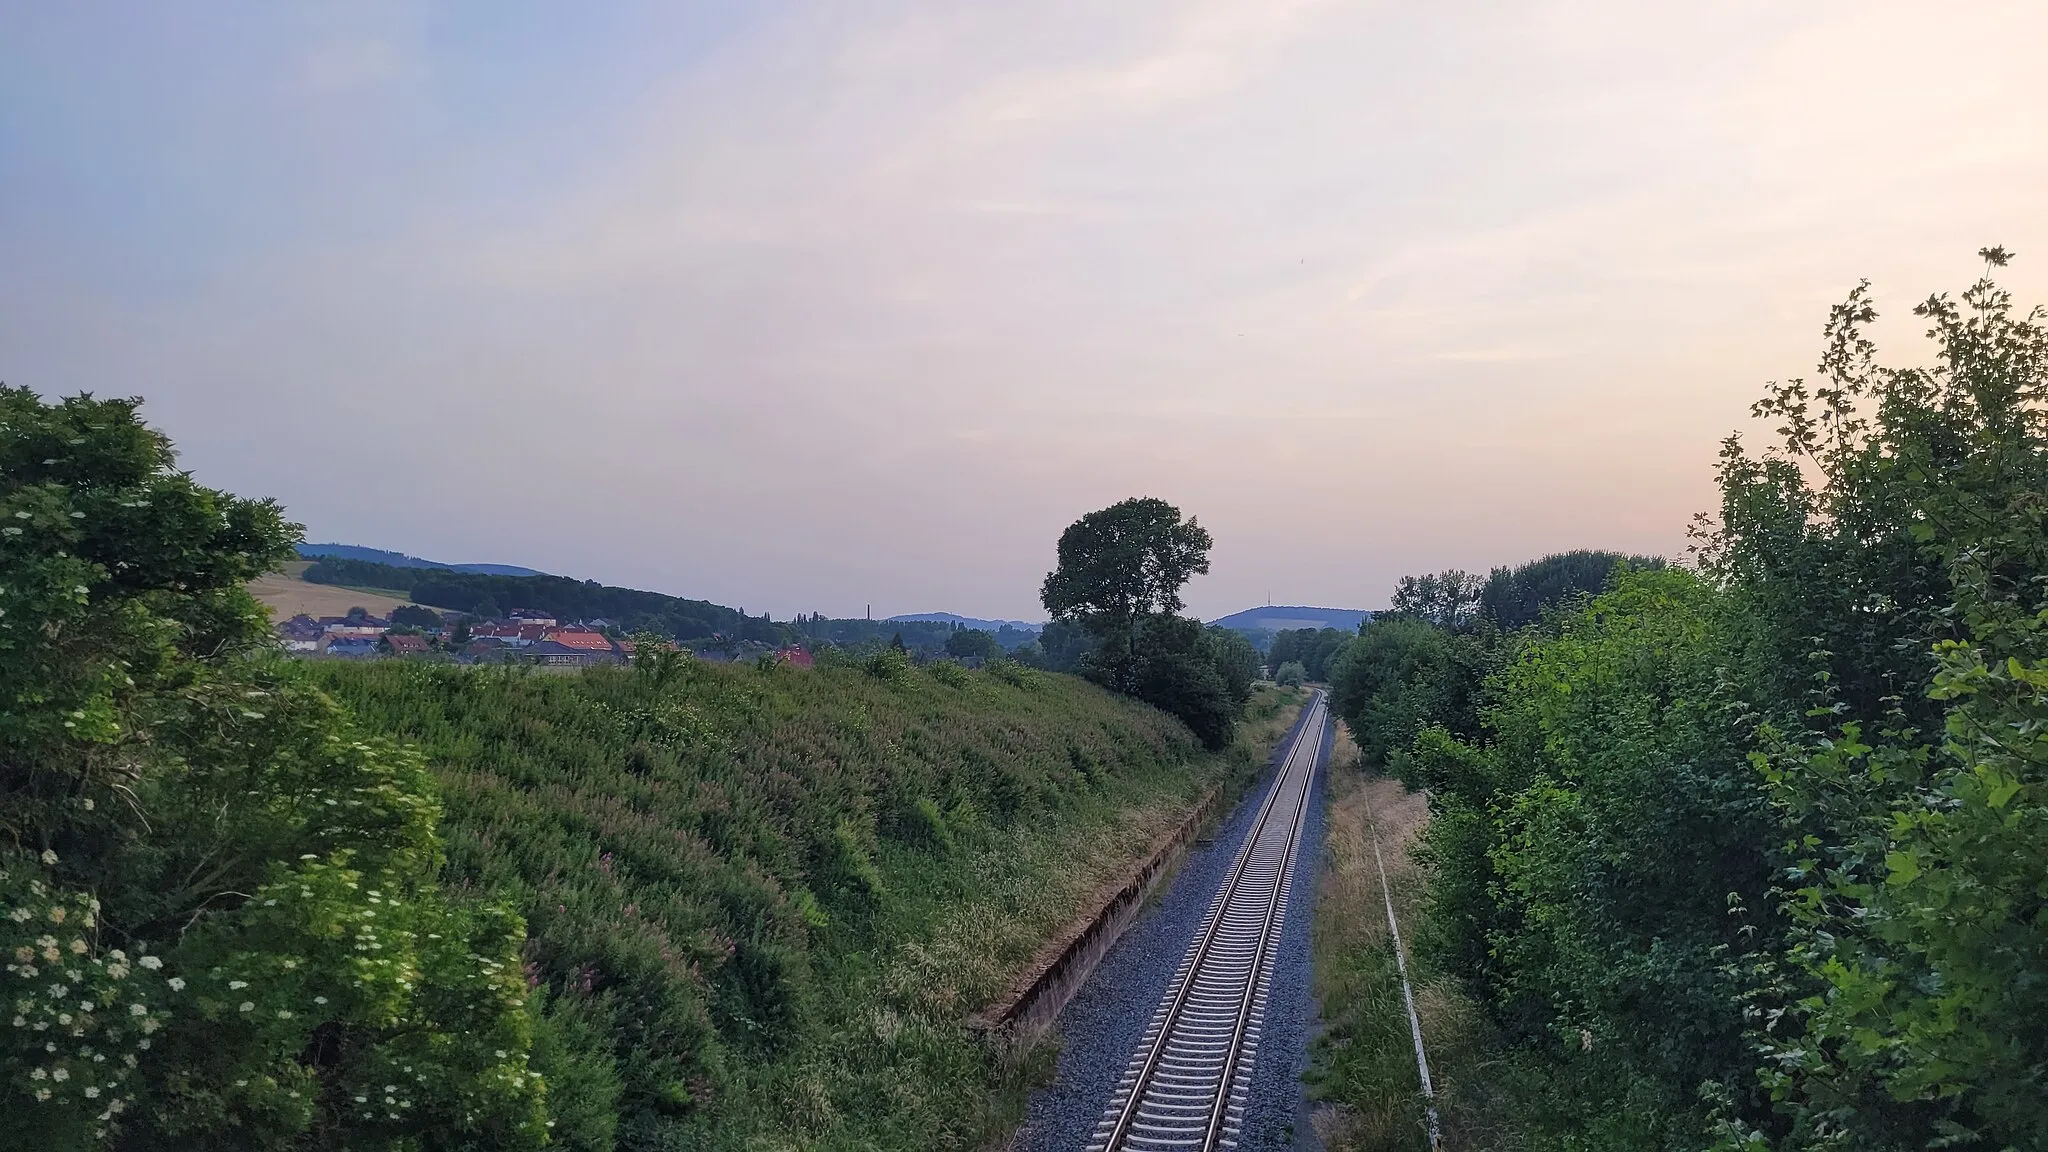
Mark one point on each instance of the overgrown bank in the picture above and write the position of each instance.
(760, 902)
(1753, 854)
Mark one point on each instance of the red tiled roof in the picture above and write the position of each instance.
(582, 641)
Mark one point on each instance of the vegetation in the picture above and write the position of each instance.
(1756, 855)
(1315, 649)
(1119, 579)
(763, 900)
(217, 898)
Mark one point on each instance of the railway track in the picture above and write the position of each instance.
(1187, 1083)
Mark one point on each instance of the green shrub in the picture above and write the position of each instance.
(236, 883)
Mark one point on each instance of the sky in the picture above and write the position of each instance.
(838, 305)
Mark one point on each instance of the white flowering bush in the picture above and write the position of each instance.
(165, 778)
(79, 1018)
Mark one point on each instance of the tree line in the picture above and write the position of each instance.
(1753, 853)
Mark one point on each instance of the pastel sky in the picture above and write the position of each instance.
(811, 306)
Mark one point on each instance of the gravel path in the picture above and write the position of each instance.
(1104, 1023)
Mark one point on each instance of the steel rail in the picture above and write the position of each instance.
(1181, 1088)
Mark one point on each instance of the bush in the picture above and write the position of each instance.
(222, 872)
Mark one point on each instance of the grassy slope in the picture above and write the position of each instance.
(763, 901)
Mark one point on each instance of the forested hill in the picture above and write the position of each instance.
(482, 594)
(402, 560)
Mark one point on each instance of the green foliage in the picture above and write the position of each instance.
(973, 643)
(1760, 854)
(1447, 599)
(1516, 597)
(210, 873)
(1905, 600)
(414, 616)
(1401, 675)
(1315, 649)
(1119, 578)
(1237, 662)
(1291, 674)
(730, 874)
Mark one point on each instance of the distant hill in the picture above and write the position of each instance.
(1286, 618)
(968, 621)
(401, 560)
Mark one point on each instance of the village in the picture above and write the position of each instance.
(522, 636)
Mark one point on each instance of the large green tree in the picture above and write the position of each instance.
(1119, 566)
(217, 896)
(1120, 575)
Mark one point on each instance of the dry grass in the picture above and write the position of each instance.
(1364, 1071)
(286, 595)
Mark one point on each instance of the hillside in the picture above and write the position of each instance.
(966, 621)
(287, 594)
(762, 902)
(401, 560)
(1287, 618)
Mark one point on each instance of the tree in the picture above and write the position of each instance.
(1119, 579)
(414, 616)
(202, 849)
(973, 643)
(1447, 600)
(1516, 597)
(1120, 565)
(1237, 662)
(1291, 674)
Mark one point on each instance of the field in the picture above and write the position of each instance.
(287, 596)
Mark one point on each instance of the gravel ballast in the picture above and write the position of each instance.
(1103, 1024)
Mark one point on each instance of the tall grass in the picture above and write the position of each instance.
(761, 901)
(1362, 1068)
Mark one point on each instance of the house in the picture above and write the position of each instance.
(404, 644)
(515, 634)
(595, 644)
(532, 616)
(352, 647)
(554, 653)
(796, 656)
(301, 633)
(355, 626)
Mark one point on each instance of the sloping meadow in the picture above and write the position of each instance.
(761, 901)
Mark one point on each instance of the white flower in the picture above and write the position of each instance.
(49, 857)
(237, 985)
(177, 983)
(91, 1092)
(137, 1010)
(319, 999)
(247, 1006)
(60, 1075)
(38, 1074)
(150, 962)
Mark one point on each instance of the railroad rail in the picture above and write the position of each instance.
(1187, 1083)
